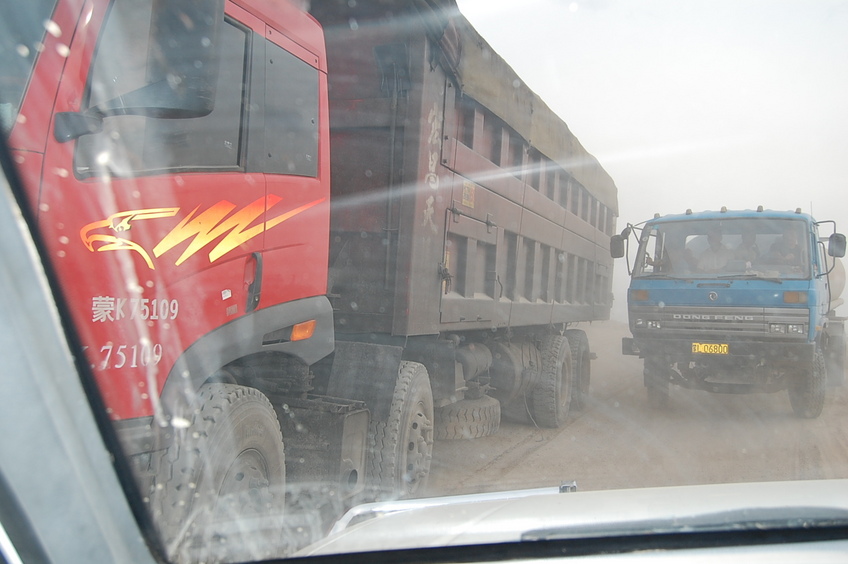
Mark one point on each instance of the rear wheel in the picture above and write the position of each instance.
(807, 392)
(220, 490)
(581, 359)
(552, 394)
(400, 449)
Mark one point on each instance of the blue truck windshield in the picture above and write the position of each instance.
(744, 247)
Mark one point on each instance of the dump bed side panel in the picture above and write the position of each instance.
(446, 215)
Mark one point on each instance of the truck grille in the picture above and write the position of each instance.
(736, 322)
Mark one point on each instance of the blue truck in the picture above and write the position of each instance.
(736, 302)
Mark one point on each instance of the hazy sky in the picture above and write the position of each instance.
(692, 104)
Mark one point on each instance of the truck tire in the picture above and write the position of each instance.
(834, 356)
(552, 394)
(656, 383)
(806, 394)
(581, 359)
(400, 449)
(226, 466)
(468, 419)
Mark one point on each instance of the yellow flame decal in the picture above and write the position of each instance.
(207, 226)
(202, 228)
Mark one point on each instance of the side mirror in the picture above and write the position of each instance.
(617, 246)
(71, 125)
(836, 245)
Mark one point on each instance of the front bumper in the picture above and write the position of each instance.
(680, 350)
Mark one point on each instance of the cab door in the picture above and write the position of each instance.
(154, 223)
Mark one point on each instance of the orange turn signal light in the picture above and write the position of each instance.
(639, 295)
(794, 297)
(303, 331)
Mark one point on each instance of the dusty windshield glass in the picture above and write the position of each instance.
(360, 276)
(721, 249)
(18, 51)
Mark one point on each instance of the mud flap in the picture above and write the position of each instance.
(366, 372)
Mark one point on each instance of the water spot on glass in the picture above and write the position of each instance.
(22, 50)
(149, 283)
(516, 83)
(21, 118)
(144, 396)
(53, 28)
(63, 240)
(368, 173)
(61, 172)
(61, 254)
(180, 423)
(19, 159)
(103, 158)
(44, 208)
(63, 50)
(354, 25)
(354, 306)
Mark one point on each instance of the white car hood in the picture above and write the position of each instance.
(532, 514)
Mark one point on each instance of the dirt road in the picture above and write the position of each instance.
(618, 442)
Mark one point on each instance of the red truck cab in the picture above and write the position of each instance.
(216, 214)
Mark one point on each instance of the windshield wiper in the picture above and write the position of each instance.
(751, 277)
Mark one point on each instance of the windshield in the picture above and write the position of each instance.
(360, 276)
(18, 52)
(772, 248)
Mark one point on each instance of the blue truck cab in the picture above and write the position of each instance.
(736, 302)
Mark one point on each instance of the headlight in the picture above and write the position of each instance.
(653, 324)
(779, 328)
(797, 329)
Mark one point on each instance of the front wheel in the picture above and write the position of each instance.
(807, 392)
(219, 493)
(401, 448)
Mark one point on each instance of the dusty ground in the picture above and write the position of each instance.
(618, 442)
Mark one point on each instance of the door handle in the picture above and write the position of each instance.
(253, 280)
